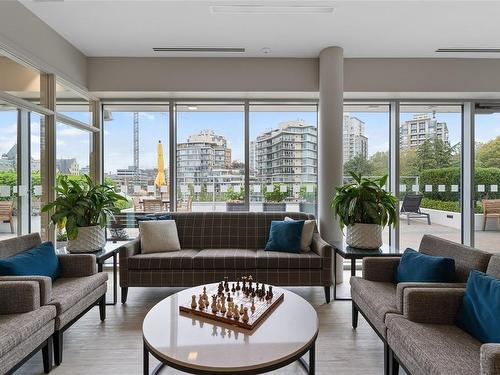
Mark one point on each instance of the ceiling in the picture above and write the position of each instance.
(398, 28)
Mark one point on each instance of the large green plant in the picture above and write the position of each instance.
(82, 204)
(366, 202)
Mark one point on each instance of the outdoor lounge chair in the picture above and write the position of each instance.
(491, 209)
(411, 208)
(6, 214)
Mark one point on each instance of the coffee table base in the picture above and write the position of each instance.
(309, 367)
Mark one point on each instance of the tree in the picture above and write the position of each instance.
(380, 163)
(488, 154)
(359, 165)
(432, 154)
(408, 163)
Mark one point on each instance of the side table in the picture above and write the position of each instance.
(352, 253)
(110, 250)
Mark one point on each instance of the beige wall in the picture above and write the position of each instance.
(263, 75)
(26, 36)
(16, 77)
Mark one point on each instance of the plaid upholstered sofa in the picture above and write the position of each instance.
(26, 325)
(78, 288)
(219, 244)
(425, 339)
(375, 295)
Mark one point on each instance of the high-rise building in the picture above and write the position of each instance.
(200, 155)
(355, 142)
(287, 153)
(423, 126)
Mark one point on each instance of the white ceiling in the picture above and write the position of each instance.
(398, 28)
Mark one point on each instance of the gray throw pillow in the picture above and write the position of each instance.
(307, 234)
(159, 236)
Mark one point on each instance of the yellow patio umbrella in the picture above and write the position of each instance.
(160, 177)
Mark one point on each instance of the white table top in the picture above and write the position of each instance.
(203, 344)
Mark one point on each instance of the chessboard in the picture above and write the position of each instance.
(243, 303)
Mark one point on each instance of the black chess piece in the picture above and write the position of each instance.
(220, 288)
(271, 295)
(238, 286)
(226, 282)
(229, 299)
(233, 289)
(226, 289)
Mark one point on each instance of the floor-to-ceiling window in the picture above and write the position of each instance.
(283, 157)
(210, 157)
(487, 178)
(429, 172)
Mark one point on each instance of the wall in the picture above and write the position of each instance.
(29, 38)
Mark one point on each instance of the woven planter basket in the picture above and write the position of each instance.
(89, 239)
(364, 236)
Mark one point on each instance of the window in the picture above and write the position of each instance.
(283, 157)
(487, 180)
(35, 168)
(72, 104)
(210, 157)
(430, 170)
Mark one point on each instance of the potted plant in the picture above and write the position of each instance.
(364, 207)
(274, 200)
(83, 209)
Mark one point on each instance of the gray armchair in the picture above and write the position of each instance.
(425, 339)
(26, 325)
(78, 288)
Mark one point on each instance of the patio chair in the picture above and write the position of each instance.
(6, 214)
(411, 208)
(152, 205)
(491, 209)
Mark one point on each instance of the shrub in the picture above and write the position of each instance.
(446, 205)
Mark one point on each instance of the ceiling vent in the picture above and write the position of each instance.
(469, 50)
(200, 49)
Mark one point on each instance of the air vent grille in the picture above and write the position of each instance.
(469, 50)
(200, 49)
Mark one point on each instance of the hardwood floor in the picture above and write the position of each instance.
(115, 346)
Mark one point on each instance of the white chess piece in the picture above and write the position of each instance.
(253, 305)
(194, 305)
(245, 315)
(201, 303)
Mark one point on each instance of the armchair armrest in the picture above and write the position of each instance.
(77, 265)
(490, 359)
(44, 283)
(380, 269)
(432, 305)
(401, 287)
(19, 296)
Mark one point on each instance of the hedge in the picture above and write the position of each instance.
(451, 206)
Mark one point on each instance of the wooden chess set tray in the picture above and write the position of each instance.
(244, 303)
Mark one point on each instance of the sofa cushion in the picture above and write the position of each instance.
(66, 292)
(158, 236)
(418, 267)
(433, 348)
(213, 259)
(307, 234)
(15, 328)
(285, 236)
(375, 300)
(172, 260)
(277, 259)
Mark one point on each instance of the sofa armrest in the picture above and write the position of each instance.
(401, 287)
(44, 283)
(380, 268)
(77, 265)
(432, 305)
(19, 296)
(126, 251)
(490, 359)
(321, 247)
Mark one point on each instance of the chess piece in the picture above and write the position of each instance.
(229, 299)
(220, 288)
(194, 305)
(252, 294)
(271, 295)
(226, 283)
(214, 304)
(205, 297)
(236, 314)
(201, 302)
(241, 309)
(245, 317)
(253, 305)
(226, 288)
(238, 288)
(223, 305)
(233, 289)
(244, 286)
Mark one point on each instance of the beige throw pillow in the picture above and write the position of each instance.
(159, 236)
(307, 234)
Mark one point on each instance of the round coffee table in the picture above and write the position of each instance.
(198, 345)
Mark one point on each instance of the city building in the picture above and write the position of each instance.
(68, 166)
(200, 155)
(355, 142)
(287, 153)
(414, 132)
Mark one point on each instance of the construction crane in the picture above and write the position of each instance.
(136, 148)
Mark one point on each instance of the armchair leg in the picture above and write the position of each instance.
(102, 308)
(484, 222)
(428, 219)
(387, 359)
(393, 363)
(355, 314)
(327, 294)
(58, 347)
(47, 356)
(124, 294)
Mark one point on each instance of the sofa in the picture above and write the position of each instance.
(425, 339)
(375, 295)
(78, 288)
(215, 245)
(26, 325)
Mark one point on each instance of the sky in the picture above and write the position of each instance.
(118, 134)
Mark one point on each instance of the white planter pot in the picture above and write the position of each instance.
(89, 239)
(364, 236)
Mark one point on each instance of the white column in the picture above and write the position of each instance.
(330, 133)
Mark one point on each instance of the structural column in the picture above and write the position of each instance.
(330, 133)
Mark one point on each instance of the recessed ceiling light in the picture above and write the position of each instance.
(192, 107)
(270, 9)
(266, 50)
